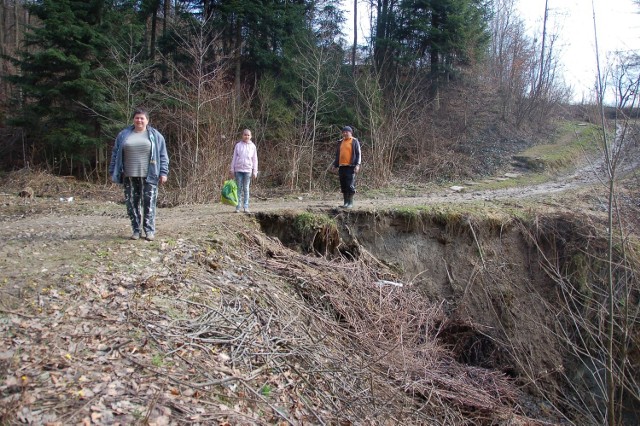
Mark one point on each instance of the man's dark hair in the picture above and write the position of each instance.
(140, 111)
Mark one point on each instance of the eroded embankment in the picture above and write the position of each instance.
(217, 323)
(526, 298)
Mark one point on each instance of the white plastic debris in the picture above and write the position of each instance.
(385, 282)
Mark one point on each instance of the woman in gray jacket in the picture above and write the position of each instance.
(139, 162)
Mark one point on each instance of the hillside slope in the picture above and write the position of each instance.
(218, 322)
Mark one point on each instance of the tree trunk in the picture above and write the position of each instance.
(3, 47)
(379, 42)
(543, 46)
(152, 42)
(3, 26)
(165, 24)
(237, 51)
(16, 19)
(355, 35)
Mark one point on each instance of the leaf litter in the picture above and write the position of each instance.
(216, 323)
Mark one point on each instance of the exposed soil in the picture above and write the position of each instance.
(216, 322)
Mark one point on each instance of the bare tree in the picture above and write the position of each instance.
(512, 56)
(387, 115)
(543, 58)
(354, 48)
(626, 80)
(599, 300)
(318, 68)
(125, 81)
(526, 73)
(199, 115)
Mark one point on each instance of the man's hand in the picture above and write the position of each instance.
(357, 168)
(163, 179)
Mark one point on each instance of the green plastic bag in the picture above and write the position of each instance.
(229, 193)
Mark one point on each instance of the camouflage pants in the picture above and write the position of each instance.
(140, 198)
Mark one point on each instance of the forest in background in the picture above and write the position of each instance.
(436, 85)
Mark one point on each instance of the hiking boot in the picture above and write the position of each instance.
(150, 236)
(237, 210)
(247, 210)
(135, 236)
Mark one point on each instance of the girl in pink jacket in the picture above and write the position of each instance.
(244, 164)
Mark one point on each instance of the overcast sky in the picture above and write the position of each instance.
(617, 23)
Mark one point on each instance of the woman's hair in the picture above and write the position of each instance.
(140, 111)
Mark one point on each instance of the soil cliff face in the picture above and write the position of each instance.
(503, 283)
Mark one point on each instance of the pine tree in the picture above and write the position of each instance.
(61, 99)
(439, 34)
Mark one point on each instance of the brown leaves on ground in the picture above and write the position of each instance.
(214, 323)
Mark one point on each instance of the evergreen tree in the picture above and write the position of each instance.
(439, 34)
(61, 99)
(450, 32)
(256, 32)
